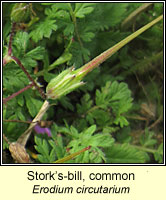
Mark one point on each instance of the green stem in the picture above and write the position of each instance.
(73, 155)
(75, 24)
(108, 53)
(132, 17)
(66, 56)
(144, 149)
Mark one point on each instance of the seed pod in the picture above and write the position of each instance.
(20, 12)
(19, 153)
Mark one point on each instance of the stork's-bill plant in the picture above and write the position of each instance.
(67, 81)
(70, 79)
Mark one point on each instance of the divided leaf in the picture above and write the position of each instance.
(43, 29)
(125, 153)
(20, 43)
(147, 138)
(36, 54)
(33, 105)
(116, 96)
(82, 9)
(47, 155)
(90, 138)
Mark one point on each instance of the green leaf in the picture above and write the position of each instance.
(125, 153)
(66, 56)
(16, 82)
(69, 30)
(60, 12)
(5, 145)
(101, 140)
(158, 155)
(74, 131)
(147, 138)
(82, 9)
(87, 138)
(20, 43)
(6, 29)
(65, 102)
(56, 142)
(30, 58)
(87, 36)
(20, 99)
(122, 121)
(63, 6)
(111, 14)
(43, 29)
(37, 53)
(102, 117)
(116, 96)
(20, 115)
(85, 105)
(42, 146)
(11, 126)
(58, 148)
(10, 82)
(90, 130)
(28, 62)
(79, 54)
(33, 105)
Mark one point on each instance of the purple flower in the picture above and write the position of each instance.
(38, 129)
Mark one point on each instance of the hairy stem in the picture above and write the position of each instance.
(72, 155)
(17, 93)
(75, 25)
(29, 77)
(108, 53)
(11, 38)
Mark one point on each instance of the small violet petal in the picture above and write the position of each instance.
(48, 131)
(41, 130)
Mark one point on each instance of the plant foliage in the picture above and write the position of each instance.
(118, 112)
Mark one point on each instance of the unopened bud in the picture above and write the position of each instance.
(64, 83)
(20, 12)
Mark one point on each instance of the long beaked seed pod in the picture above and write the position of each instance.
(70, 79)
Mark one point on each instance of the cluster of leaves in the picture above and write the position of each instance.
(58, 35)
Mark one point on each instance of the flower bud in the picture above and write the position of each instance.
(64, 83)
(20, 12)
(7, 59)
